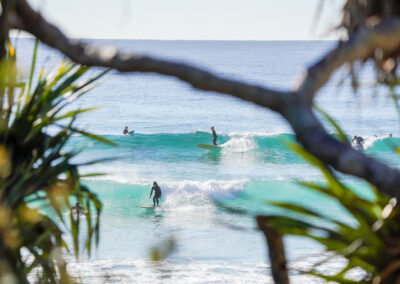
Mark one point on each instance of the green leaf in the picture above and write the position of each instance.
(93, 136)
(342, 136)
(74, 113)
(33, 64)
(334, 185)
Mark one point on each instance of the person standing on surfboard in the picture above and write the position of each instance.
(157, 193)
(214, 136)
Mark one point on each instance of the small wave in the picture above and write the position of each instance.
(178, 142)
(233, 141)
(186, 195)
(370, 140)
(380, 143)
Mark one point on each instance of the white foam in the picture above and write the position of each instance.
(194, 271)
(142, 271)
(260, 134)
(215, 188)
(239, 144)
(370, 140)
(189, 195)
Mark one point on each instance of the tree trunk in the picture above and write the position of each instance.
(276, 251)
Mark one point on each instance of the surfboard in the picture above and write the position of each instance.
(131, 132)
(147, 207)
(208, 146)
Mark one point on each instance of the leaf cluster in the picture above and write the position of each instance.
(359, 15)
(371, 243)
(37, 173)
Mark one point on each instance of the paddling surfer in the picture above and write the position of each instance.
(157, 193)
(214, 136)
(126, 131)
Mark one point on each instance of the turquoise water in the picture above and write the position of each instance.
(251, 167)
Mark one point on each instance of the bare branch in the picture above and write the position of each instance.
(361, 46)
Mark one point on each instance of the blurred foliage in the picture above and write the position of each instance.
(341, 135)
(372, 244)
(37, 172)
(163, 249)
(359, 15)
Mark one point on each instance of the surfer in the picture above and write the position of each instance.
(157, 193)
(214, 136)
(126, 131)
(77, 210)
(358, 142)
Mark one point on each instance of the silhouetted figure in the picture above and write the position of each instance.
(358, 142)
(157, 193)
(126, 131)
(214, 136)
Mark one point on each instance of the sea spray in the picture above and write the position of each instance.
(239, 144)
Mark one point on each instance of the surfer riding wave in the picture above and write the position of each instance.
(157, 193)
(214, 136)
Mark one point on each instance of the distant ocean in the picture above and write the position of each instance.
(169, 119)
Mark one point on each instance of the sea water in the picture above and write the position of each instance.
(252, 166)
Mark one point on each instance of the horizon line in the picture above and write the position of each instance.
(158, 39)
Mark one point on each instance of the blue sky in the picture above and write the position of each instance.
(192, 19)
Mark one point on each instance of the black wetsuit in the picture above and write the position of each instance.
(214, 137)
(126, 131)
(359, 142)
(157, 194)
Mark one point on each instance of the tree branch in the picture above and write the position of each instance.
(294, 106)
(342, 157)
(86, 54)
(276, 251)
(361, 46)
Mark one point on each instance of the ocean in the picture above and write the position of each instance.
(252, 166)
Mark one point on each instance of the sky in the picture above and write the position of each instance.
(193, 19)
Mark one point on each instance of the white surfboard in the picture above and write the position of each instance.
(147, 207)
